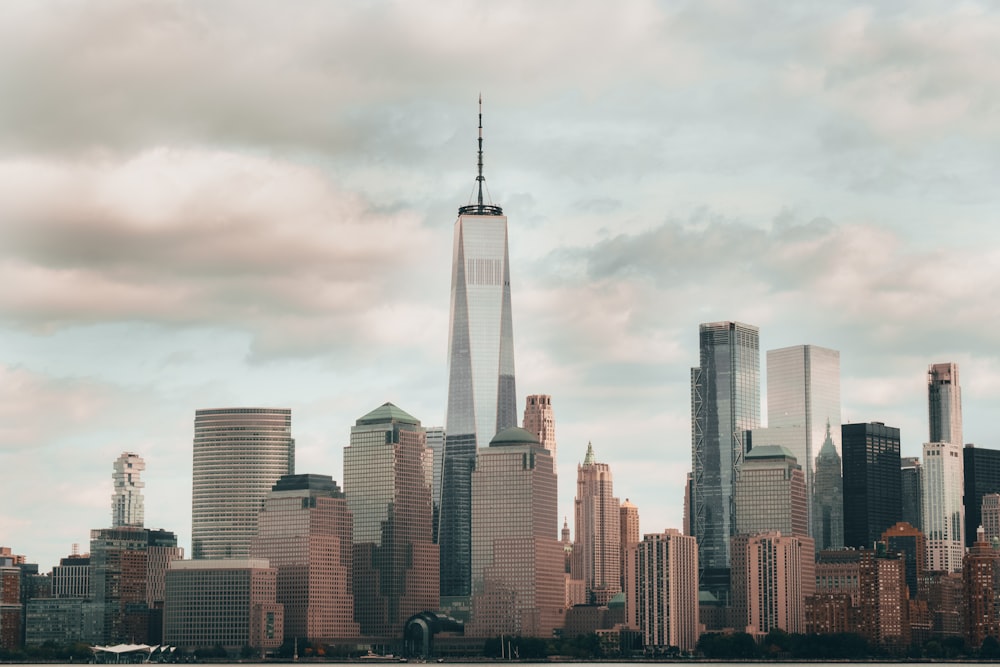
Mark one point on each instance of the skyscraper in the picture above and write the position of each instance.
(304, 532)
(628, 525)
(943, 513)
(541, 422)
(387, 482)
(126, 503)
(481, 394)
(803, 406)
(871, 482)
(725, 402)
(944, 404)
(982, 477)
(773, 574)
(910, 471)
(517, 562)
(238, 454)
(667, 589)
(598, 533)
(771, 493)
(828, 497)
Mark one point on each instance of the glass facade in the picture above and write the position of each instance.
(944, 404)
(911, 490)
(871, 482)
(982, 477)
(387, 482)
(305, 532)
(126, 503)
(481, 392)
(944, 513)
(828, 497)
(238, 454)
(803, 406)
(517, 563)
(725, 402)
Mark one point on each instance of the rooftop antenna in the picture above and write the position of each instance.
(480, 208)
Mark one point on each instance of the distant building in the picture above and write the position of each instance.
(944, 404)
(518, 578)
(71, 577)
(435, 443)
(598, 531)
(871, 482)
(220, 602)
(911, 545)
(628, 522)
(540, 421)
(771, 493)
(990, 518)
(979, 581)
(238, 454)
(981, 475)
(10, 605)
(304, 532)
(943, 512)
(772, 574)
(387, 482)
(667, 590)
(55, 620)
(911, 491)
(828, 497)
(126, 504)
(883, 612)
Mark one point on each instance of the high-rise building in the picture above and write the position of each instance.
(982, 477)
(435, 443)
(944, 514)
(909, 543)
(126, 503)
(883, 612)
(305, 532)
(979, 573)
(910, 471)
(803, 407)
(598, 532)
(481, 393)
(773, 574)
(944, 403)
(828, 497)
(540, 421)
(71, 577)
(667, 590)
(628, 523)
(238, 454)
(871, 481)
(387, 482)
(990, 518)
(771, 493)
(725, 403)
(518, 578)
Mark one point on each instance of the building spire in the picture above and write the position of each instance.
(589, 459)
(480, 208)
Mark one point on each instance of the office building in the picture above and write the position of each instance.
(772, 574)
(771, 493)
(910, 544)
(628, 524)
(126, 503)
(944, 404)
(540, 421)
(803, 408)
(239, 453)
(305, 533)
(387, 482)
(518, 578)
(871, 481)
(667, 590)
(911, 493)
(481, 392)
(58, 621)
(828, 497)
(598, 532)
(71, 577)
(943, 512)
(725, 403)
(223, 602)
(982, 476)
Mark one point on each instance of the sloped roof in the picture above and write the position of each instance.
(387, 413)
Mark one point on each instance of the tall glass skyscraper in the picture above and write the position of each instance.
(725, 402)
(944, 404)
(871, 482)
(481, 396)
(239, 453)
(803, 407)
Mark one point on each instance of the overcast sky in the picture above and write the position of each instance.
(212, 204)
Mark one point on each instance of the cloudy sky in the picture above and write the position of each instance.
(210, 204)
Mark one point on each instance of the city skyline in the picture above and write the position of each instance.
(187, 227)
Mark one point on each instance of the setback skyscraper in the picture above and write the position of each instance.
(239, 453)
(944, 404)
(598, 533)
(481, 395)
(725, 402)
(540, 421)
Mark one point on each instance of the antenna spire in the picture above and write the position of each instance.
(480, 207)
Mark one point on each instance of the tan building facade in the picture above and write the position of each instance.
(772, 575)
(540, 421)
(598, 532)
(667, 589)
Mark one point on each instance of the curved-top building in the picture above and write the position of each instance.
(239, 453)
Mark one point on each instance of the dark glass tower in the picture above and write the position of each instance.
(871, 482)
(725, 402)
(982, 476)
(481, 396)
(912, 494)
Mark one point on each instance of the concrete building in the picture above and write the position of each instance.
(222, 602)
(55, 620)
(126, 504)
(628, 523)
(725, 403)
(481, 394)
(598, 531)
(771, 493)
(667, 590)
(518, 578)
(943, 511)
(305, 532)
(238, 454)
(387, 483)
(944, 404)
(772, 575)
(871, 481)
(540, 421)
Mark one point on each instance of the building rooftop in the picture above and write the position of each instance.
(388, 413)
(769, 452)
(512, 436)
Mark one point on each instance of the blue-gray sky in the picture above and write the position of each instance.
(207, 204)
